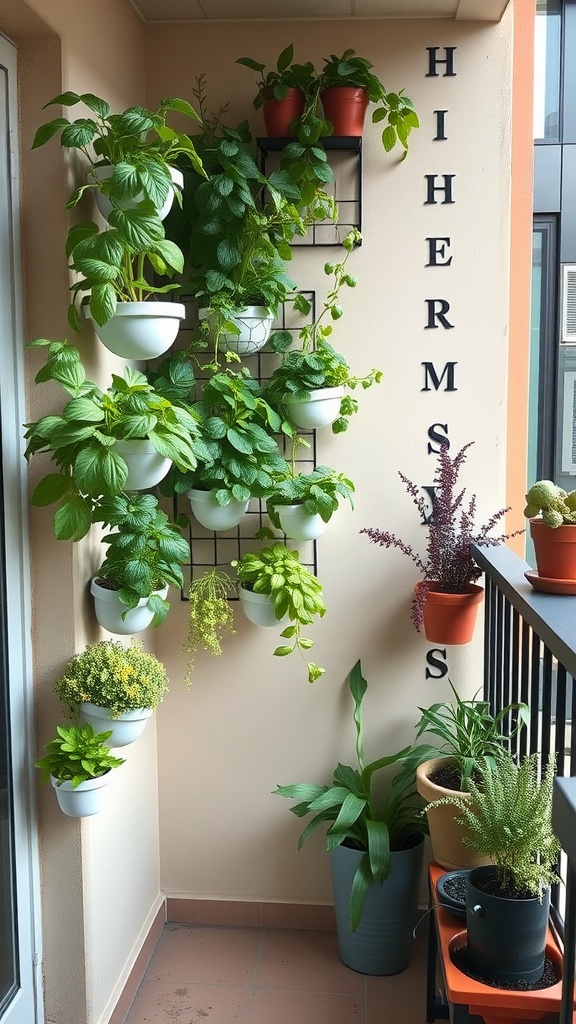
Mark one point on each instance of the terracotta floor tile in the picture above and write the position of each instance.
(159, 1003)
(396, 1011)
(206, 955)
(305, 960)
(306, 1008)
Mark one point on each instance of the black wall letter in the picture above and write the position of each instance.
(440, 126)
(431, 188)
(440, 314)
(433, 61)
(436, 662)
(437, 247)
(431, 492)
(440, 438)
(430, 373)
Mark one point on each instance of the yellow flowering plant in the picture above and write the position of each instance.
(209, 617)
(113, 676)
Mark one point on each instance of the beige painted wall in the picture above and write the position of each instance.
(96, 907)
(251, 721)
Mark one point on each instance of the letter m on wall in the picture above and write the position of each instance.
(433, 381)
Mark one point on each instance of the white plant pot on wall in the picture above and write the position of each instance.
(105, 206)
(125, 729)
(254, 324)
(109, 610)
(140, 330)
(320, 410)
(299, 524)
(146, 466)
(213, 516)
(85, 799)
(259, 608)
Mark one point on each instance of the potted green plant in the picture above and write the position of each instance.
(282, 92)
(309, 385)
(552, 514)
(302, 504)
(78, 764)
(348, 85)
(509, 822)
(209, 615)
(275, 587)
(470, 737)
(105, 442)
(144, 556)
(376, 851)
(447, 599)
(113, 687)
(131, 155)
(240, 432)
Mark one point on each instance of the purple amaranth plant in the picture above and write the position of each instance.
(448, 565)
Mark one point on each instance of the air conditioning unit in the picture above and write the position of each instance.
(568, 336)
(569, 423)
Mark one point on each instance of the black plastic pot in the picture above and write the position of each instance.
(506, 937)
(449, 902)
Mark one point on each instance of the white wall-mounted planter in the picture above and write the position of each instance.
(146, 466)
(259, 608)
(109, 610)
(320, 410)
(85, 799)
(125, 729)
(140, 330)
(213, 516)
(299, 524)
(254, 324)
(105, 206)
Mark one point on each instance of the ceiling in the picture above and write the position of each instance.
(282, 10)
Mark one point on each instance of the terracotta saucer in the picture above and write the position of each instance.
(548, 586)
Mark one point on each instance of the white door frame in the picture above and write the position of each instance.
(26, 1006)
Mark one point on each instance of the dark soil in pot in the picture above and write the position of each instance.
(550, 975)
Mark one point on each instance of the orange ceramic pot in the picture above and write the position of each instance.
(279, 114)
(345, 107)
(451, 618)
(555, 550)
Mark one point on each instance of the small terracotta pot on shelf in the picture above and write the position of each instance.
(345, 107)
(279, 114)
(451, 618)
(555, 550)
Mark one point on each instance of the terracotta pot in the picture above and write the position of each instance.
(279, 114)
(446, 835)
(345, 107)
(451, 618)
(555, 550)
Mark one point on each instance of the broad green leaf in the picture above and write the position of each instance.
(72, 520)
(102, 302)
(239, 441)
(51, 488)
(95, 103)
(79, 134)
(47, 131)
(139, 227)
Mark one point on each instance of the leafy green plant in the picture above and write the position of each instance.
(319, 491)
(239, 429)
(558, 507)
(316, 364)
(294, 590)
(145, 552)
(209, 615)
(137, 143)
(286, 75)
(113, 676)
(393, 107)
(509, 820)
(470, 734)
(350, 810)
(81, 439)
(77, 754)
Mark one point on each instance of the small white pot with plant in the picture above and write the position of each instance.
(78, 764)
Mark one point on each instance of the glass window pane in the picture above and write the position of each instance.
(547, 70)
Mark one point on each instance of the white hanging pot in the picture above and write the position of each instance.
(320, 410)
(109, 610)
(254, 324)
(146, 466)
(105, 206)
(85, 799)
(213, 516)
(259, 608)
(126, 728)
(299, 524)
(140, 330)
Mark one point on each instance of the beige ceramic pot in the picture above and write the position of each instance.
(446, 835)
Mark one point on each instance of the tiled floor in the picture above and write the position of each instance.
(212, 975)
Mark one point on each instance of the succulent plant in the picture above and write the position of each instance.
(558, 507)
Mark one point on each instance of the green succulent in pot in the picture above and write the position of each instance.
(556, 506)
(113, 676)
(81, 440)
(293, 591)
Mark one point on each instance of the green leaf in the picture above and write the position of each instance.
(360, 885)
(281, 652)
(179, 105)
(139, 227)
(84, 409)
(47, 131)
(378, 848)
(239, 441)
(95, 103)
(228, 254)
(100, 470)
(389, 138)
(102, 302)
(79, 134)
(286, 57)
(51, 488)
(72, 520)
